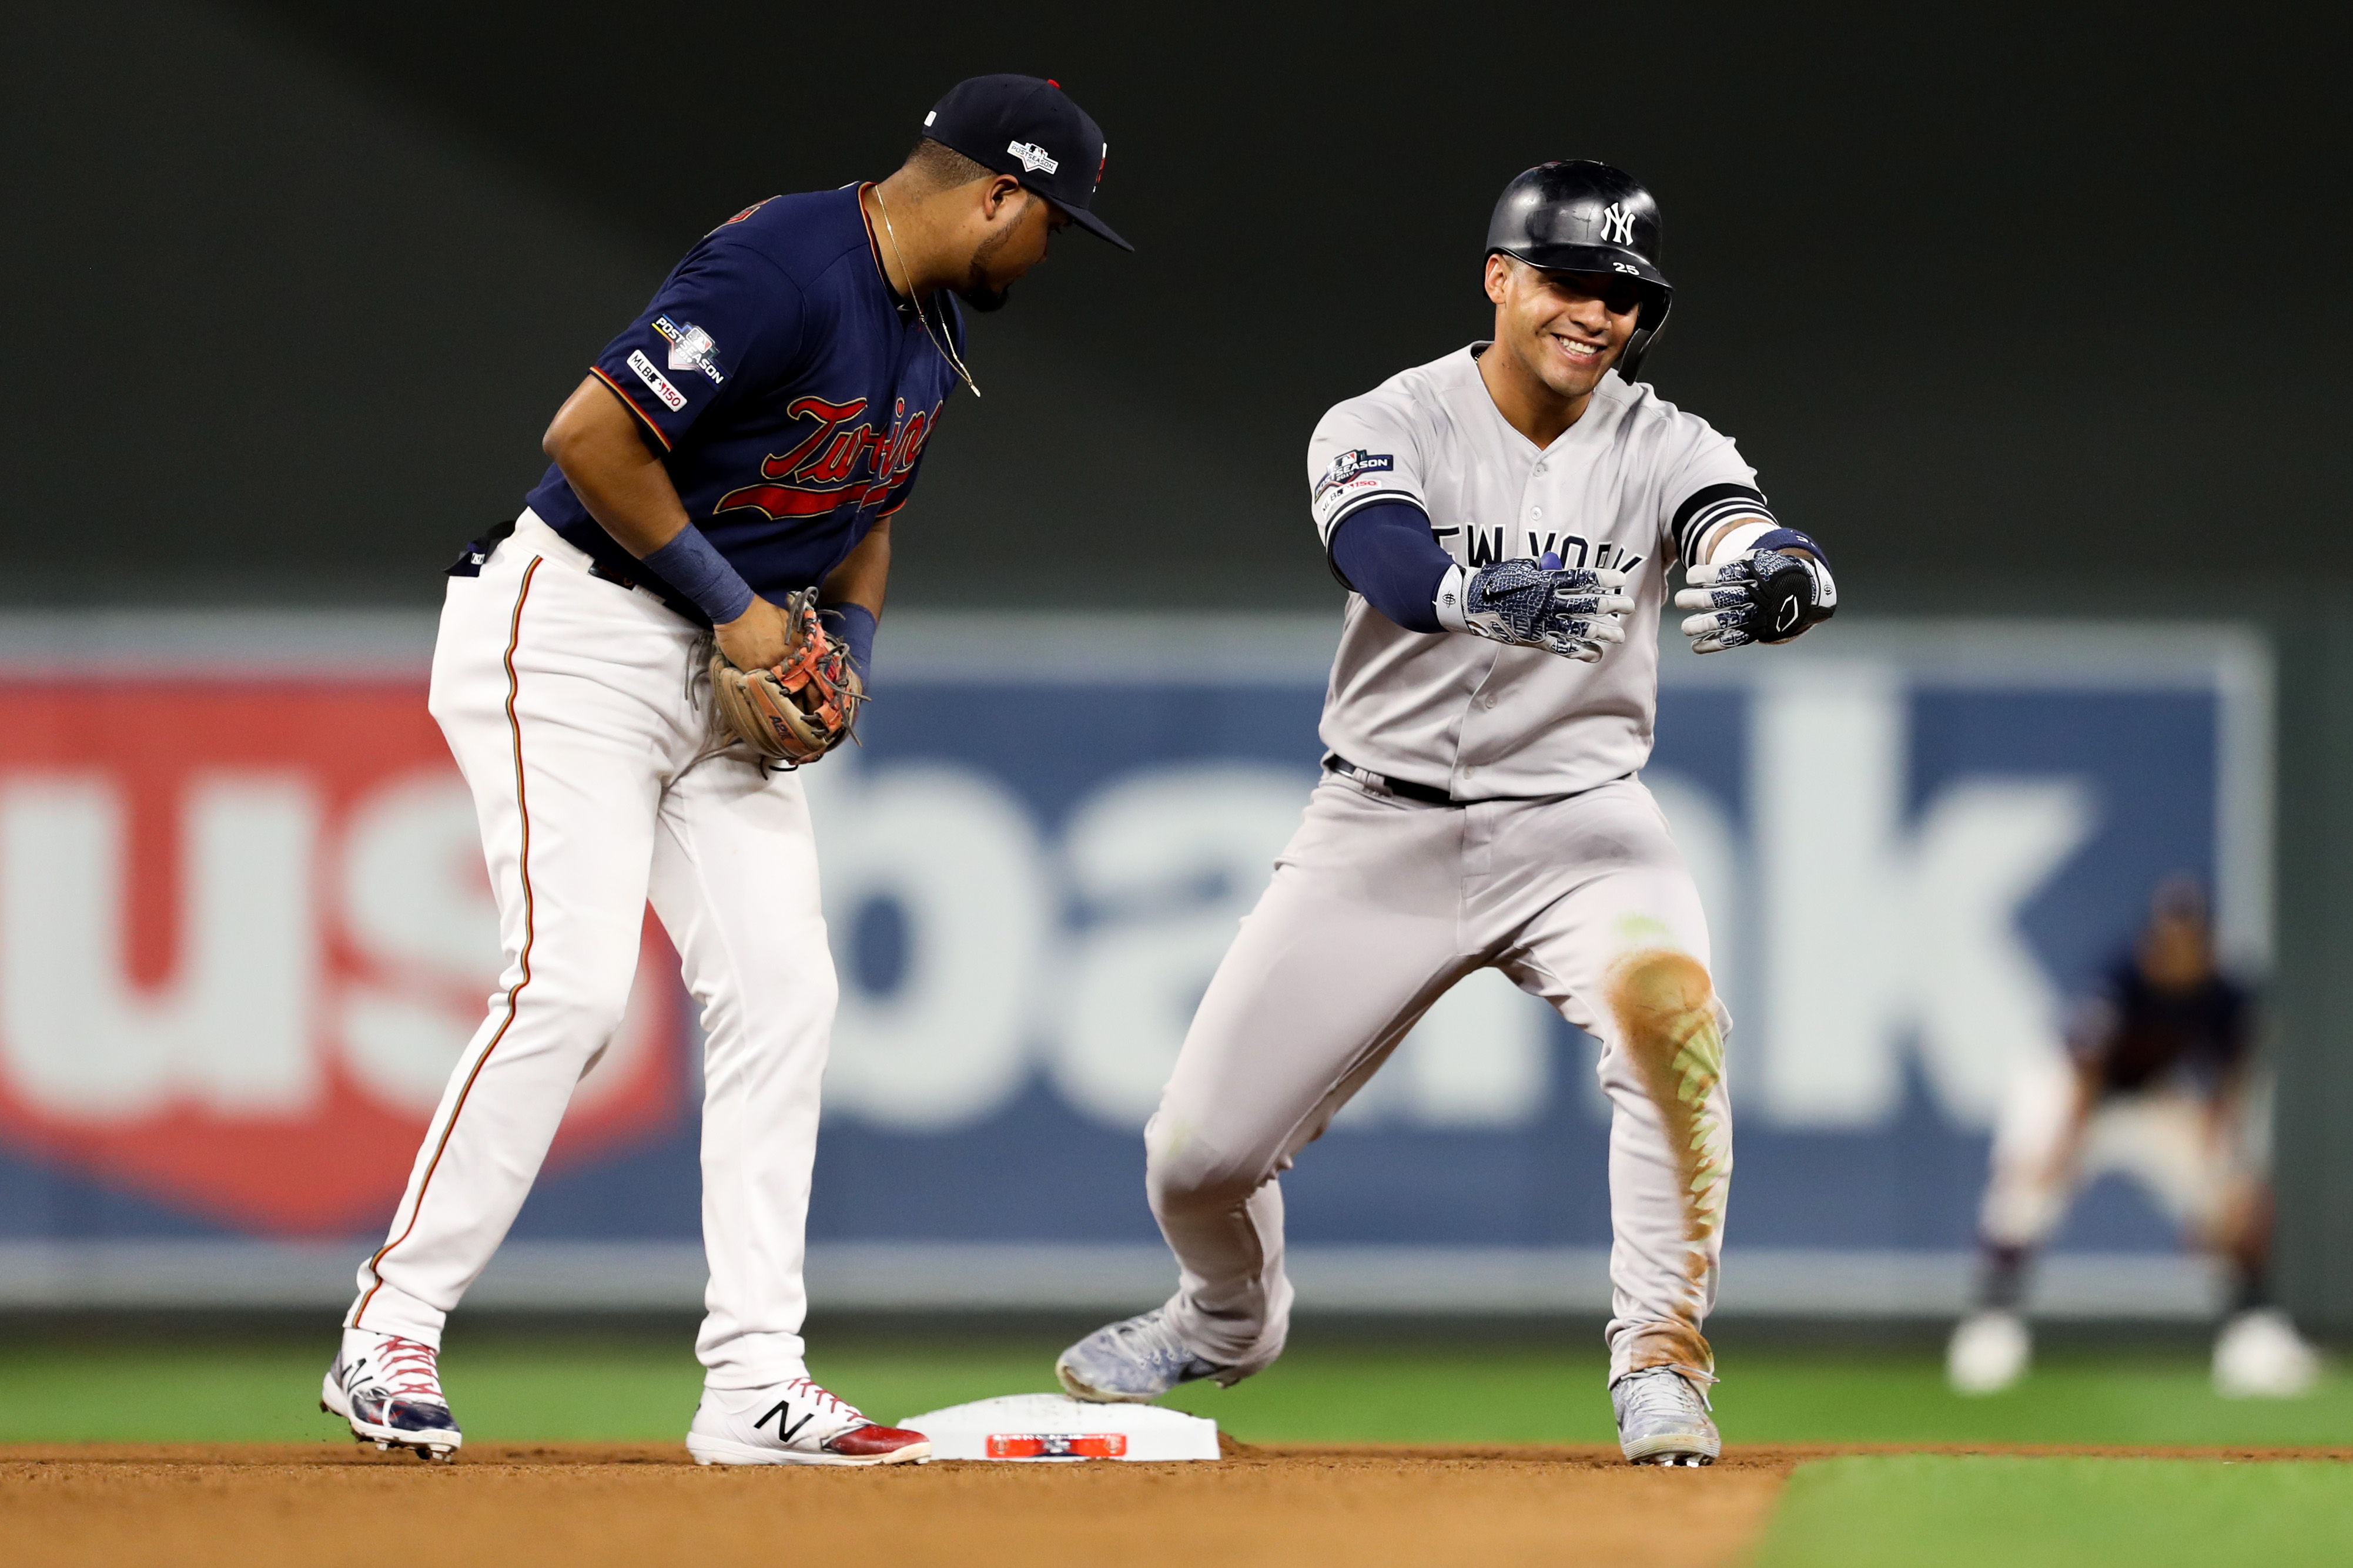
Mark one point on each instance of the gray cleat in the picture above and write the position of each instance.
(1134, 1362)
(1662, 1418)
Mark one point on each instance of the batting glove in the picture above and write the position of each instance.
(1573, 612)
(1762, 596)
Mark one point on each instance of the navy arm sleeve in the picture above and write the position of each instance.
(1387, 553)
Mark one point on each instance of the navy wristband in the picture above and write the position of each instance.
(854, 626)
(1789, 539)
(692, 565)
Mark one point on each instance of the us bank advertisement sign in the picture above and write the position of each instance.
(245, 932)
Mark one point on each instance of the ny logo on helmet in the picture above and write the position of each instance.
(1617, 224)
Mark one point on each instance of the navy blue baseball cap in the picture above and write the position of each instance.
(1024, 126)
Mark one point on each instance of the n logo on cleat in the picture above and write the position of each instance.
(783, 1433)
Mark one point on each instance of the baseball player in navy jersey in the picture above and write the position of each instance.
(1506, 518)
(749, 437)
(2160, 1084)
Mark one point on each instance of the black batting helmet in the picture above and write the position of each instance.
(1577, 215)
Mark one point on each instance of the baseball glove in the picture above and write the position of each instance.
(800, 709)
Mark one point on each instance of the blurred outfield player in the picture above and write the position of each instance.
(1506, 518)
(2156, 1086)
(748, 438)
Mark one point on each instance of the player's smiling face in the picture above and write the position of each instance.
(1562, 329)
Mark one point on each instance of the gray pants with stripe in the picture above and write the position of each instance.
(1378, 905)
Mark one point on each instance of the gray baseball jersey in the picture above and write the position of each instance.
(1634, 485)
(1557, 868)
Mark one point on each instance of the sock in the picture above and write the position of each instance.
(2251, 1290)
(2003, 1286)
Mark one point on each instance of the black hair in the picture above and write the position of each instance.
(940, 167)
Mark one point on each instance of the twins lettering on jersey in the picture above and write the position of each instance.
(823, 471)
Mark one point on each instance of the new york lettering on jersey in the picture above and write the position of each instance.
(1623, 487)
(789, 394)
(1475, 545)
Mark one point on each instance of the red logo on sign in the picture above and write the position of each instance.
(245, 932)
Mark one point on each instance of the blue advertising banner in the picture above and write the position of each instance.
(1917, 843)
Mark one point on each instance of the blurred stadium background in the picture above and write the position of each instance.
(2027, 318)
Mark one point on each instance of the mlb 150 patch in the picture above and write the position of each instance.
(1348, 464)
(672, 398)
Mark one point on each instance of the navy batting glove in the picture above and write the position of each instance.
(1762, 596)
(1572, 611)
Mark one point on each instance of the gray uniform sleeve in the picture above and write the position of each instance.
(1364, 450)
(1710, 484)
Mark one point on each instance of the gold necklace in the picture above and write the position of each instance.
(922, 310)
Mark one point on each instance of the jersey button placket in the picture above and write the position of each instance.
(1532, 498)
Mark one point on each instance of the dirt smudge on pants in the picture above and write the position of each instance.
(1665, 1007)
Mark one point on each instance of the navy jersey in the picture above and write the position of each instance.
(2135, 1035)
(788, 392)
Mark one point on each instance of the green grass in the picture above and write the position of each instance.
(1504, 1396)
(512, 1389)
(1924, 1512)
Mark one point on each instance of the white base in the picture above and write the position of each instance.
(1054, 1428)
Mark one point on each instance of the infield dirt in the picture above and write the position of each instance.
(590, 1505)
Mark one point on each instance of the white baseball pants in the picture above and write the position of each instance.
(2166, 1138)
(1377, 907)
(573, 707)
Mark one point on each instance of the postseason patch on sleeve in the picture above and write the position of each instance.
(1351, 475)
(691, 348)
(1346, 469)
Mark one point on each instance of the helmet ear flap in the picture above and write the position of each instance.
(1656, 304)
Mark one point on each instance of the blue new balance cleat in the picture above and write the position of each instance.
(1134, 1362)
(1662, 1418)
(389, 1390)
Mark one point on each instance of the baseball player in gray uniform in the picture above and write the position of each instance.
(1506, 518)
